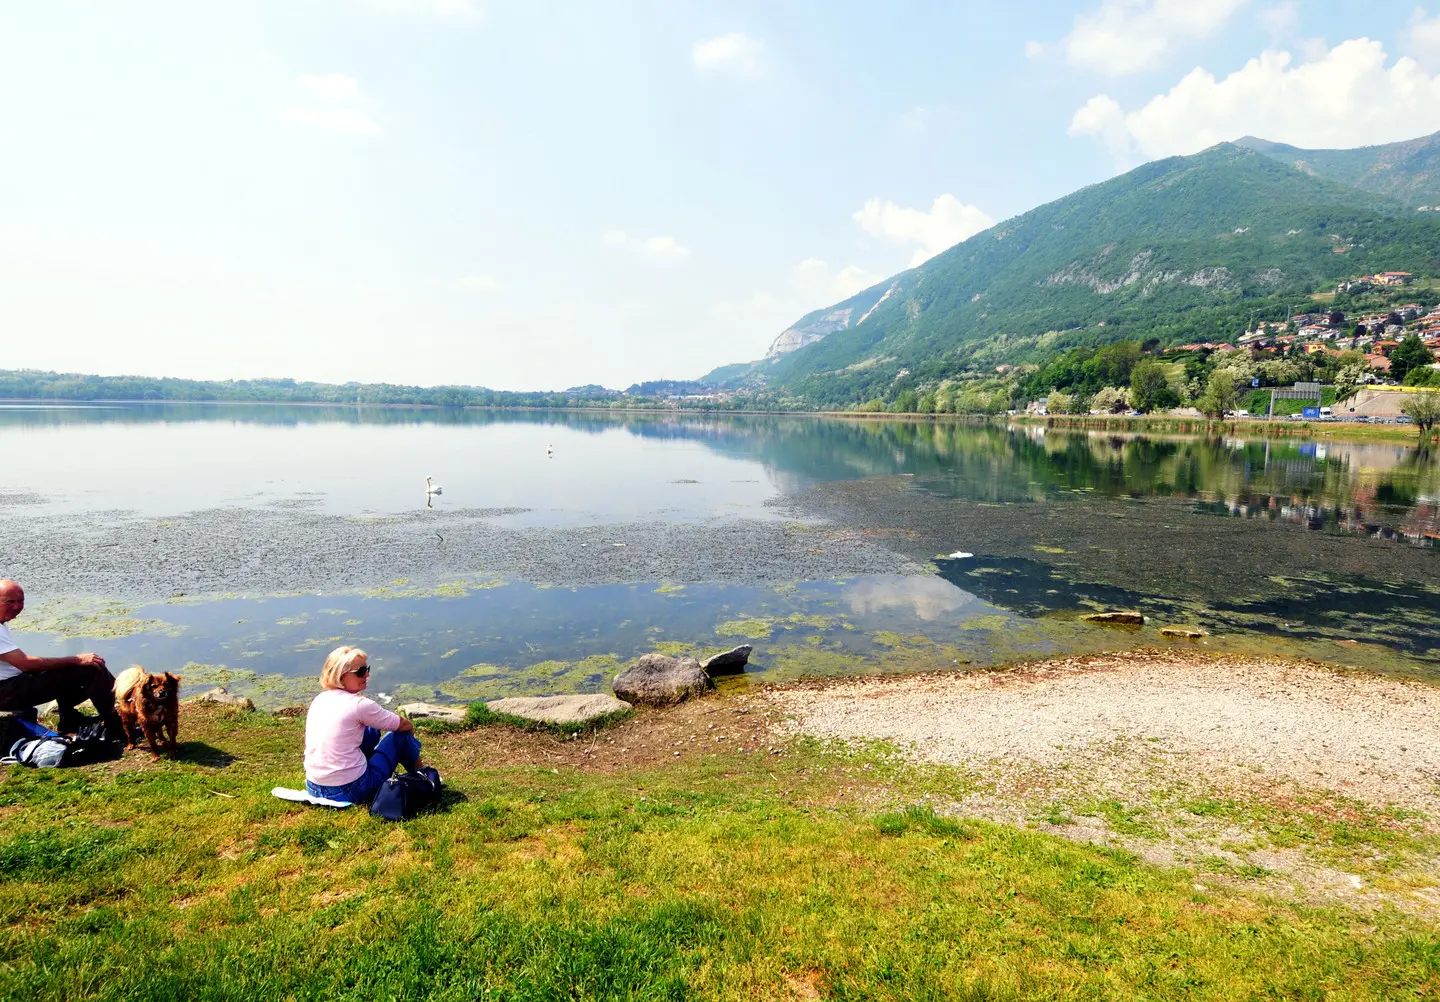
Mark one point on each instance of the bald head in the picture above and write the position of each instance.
(12, 600)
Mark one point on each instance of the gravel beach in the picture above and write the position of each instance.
(1366, 737)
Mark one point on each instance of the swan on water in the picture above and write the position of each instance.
(433, 488)
(550, 451)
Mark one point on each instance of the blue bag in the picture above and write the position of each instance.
(402, 797)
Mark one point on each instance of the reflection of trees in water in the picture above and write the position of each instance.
(1378, 489)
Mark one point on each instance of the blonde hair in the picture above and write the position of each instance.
(341, 660)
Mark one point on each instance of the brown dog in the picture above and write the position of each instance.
(149, 704)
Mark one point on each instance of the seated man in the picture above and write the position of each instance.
(26, 682)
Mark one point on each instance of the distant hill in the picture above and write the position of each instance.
(1185, 248)
(1408, 172)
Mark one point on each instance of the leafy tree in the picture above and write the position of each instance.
(905, 403)
(1147, 385)
(1110, 400)
(1423, 375)
(1220, 394)
(1424, 409)
(1349, 379)
(1408, 354)
(1059, 402)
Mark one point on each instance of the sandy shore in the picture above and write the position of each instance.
(1363, 736)
(1292, 777)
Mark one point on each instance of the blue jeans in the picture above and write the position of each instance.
(382, 755)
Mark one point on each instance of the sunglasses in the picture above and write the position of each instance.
(360, 672)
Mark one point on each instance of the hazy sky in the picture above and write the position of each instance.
(533, 195)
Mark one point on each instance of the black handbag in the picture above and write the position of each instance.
(402, 797)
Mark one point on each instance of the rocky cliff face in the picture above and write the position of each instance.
(802, 334)
(814, 326)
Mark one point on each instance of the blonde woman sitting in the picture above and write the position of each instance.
(345, 756)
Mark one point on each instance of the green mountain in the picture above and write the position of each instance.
(1408, 172)
(1188, 248)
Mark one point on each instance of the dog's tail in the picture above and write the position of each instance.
(128, 680)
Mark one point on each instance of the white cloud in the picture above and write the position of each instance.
(814, 279)
(479, 283)
(916, 120)
(658, 247)
(1348, 97)
(332, 120)
(1127, 36)
(735, 52)
(1282, 19)
(753, 321)
(663, 247)
(948, 222)
(460, 10)
(1422, 39)
(330, 86)
(334, 105)
(1033, 49)
(1102, 116)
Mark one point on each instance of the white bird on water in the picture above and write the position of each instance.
(549, 452)
(433, 488)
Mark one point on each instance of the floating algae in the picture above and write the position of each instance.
(91, 619)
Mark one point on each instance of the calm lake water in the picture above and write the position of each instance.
(1318, 550)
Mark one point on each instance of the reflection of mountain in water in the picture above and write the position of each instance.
(1380, 489)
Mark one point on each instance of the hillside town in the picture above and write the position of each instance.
(1376, 333)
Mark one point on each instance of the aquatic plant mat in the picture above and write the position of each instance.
(691, 853)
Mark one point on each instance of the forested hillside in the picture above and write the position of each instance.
(1183, 249)
(1408, 172)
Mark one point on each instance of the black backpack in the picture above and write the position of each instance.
(402, 797)
(42, 748)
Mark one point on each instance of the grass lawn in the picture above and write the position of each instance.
(688, 862)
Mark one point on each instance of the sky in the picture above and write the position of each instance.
(543, 194)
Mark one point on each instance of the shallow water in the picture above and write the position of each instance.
(1316, 550)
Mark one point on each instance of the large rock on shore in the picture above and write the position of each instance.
(660, 680)
(1115, 618)
(559, 709)
(732, 662)
(429, 711)
(221, 697)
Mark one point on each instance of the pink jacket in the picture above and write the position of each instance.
(333, 729)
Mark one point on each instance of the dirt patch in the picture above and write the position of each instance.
(650, 739)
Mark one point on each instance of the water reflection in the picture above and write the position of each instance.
(927, 599)
(1190, 530)
(170, 458)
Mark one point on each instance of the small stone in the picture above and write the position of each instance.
(1183, 632)
(1115, 618)
(222, 697)
(660, 680)
(559, 709)
(730, 663)
(429, 711)
(292, 711)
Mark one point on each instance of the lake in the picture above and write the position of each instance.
(238, 544)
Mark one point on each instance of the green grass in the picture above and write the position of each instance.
(710, 877)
